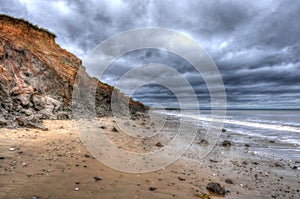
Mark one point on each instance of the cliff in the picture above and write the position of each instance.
(37, 77)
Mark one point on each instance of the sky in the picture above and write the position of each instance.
(255, 44)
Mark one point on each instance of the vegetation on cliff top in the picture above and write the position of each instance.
(26, 23)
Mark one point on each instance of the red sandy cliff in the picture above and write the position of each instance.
(37, 76)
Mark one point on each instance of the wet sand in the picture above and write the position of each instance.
(56, 164)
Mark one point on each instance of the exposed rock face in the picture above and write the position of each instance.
(37, 76)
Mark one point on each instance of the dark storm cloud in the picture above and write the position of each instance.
(255, 44)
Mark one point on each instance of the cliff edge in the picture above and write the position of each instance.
(37, 77)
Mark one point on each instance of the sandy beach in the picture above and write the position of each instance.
(55, 164)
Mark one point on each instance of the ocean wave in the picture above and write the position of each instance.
(272, 126)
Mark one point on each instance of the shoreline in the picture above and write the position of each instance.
(53, 163)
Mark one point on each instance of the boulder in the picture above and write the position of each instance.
(215, 188)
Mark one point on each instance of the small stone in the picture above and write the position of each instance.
(158, 144)
(11, 149)
(294, 167)
(256, 163)
(87, 155)
(114, 129)
(279, 164)
(215, 188)
(181, 179)
(203, 142)
(34, 197)
(103, 127)
(245, 162)
(226, 143)
(223, 130)
(229, 181)
(247, 145)
(152, 188)
(96, 178)
(2, 158)
(76, 189)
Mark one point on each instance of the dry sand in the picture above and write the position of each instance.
(55, 164)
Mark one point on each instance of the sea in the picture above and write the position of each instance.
(270, 133)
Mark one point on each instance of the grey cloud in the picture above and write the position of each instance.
(255, 44)
(13, 8)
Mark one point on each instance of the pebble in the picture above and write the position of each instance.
(158, 144)
(226, 143)
(96, 178)
(294, 167)
(279, 164)
(114, 129)
(203, 142)
(11, 149)
(152, 188)
(229, 181)
(181, 179)
(76, 189)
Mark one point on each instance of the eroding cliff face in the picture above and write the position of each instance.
(37, 77)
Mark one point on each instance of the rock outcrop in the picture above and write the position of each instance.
(37, 77)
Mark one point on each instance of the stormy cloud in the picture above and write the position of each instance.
(255, 44)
